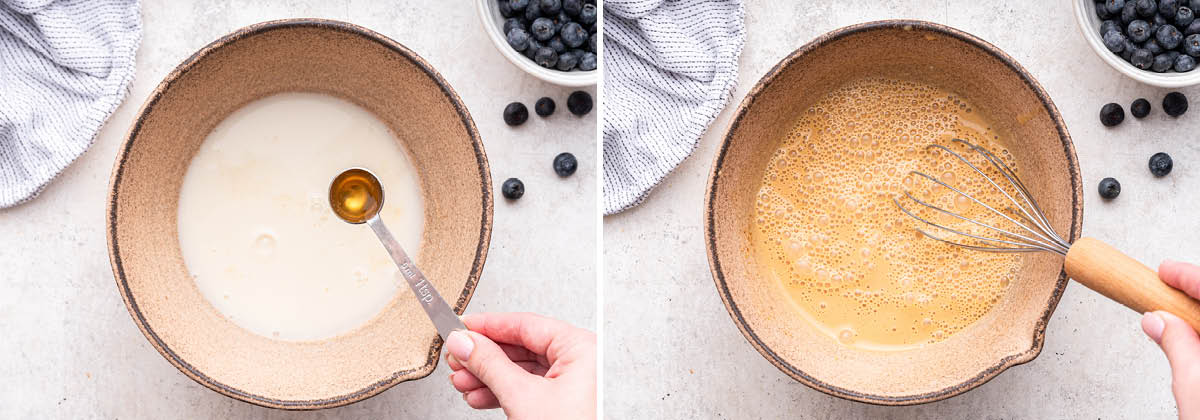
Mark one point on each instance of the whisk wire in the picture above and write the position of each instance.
(1044, 238)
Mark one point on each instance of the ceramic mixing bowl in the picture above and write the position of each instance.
(1012, 332)
(308, 55)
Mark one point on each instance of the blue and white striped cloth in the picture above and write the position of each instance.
(65, 65)
(669, 68)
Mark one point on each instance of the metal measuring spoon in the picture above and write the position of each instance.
(356, 196)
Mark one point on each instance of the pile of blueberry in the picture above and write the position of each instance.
(1156, 35)
(1111, 115)
(556, 34)
(579, 103)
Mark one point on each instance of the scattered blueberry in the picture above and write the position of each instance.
(565, 164)
(546, 30)
(518, 39)
(579, 103)
(515, 114)
(1139, 30)
(587, 62)
(551, 7)
(512, 189)
(1184, 63)
(1142, 58)
(1160, 164)
(1113, 40)
(572, 7)
(1140, 108)
(1184, 17)
(544, 107)
(1109, 188)
(1175, 104)
(1111, 114)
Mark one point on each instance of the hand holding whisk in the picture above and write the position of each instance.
(1018, 224)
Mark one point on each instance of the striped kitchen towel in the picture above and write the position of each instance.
(65, 65)
(669, 68)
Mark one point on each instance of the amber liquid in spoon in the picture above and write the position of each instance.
(355, 196)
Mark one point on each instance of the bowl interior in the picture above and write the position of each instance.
(493, 22)
(1011, 333)
(314, 56)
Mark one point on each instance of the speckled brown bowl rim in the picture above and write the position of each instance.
(114, 249)
(714, 178)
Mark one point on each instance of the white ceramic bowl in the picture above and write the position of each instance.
(1089, 25)
(489, 13)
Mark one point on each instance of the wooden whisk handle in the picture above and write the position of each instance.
(1110, 272)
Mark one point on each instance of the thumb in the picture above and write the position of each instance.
(488, 362)
(1182, 346)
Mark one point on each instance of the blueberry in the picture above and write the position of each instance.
(515, 114)
(573, 35)
(565, 164)
(512, 189)
(1101, 11)
(1140, 108)
(1175, 104)
(1162, 63)
(587, 16)
(1184, 17)
(512, 23)
(579, 103)
(546, 57)
(572, 7)
(505, 9)
(1160, 164)
(1152, 46)
(1157, 22)
(542, 28)
(534, 46)
(517, 5)
(1109, 188)
(587, 62)
(592, 43)
(557, 45)
(533, 11)
(1185, 63)
(551, 7)
(1142, 59)
(1145, 8)
(1194, 4)
(1193, 28)
(1127, 50)
(1111, 114)
(518, 39)
(544, 107)
(1128, 13)
(1168, 37)
(1105, 26)
(561, 20)
(1168, 8)
(1114, 6)
(1138, 30)
(1191, 45)
(567, 61)
(1113, 40)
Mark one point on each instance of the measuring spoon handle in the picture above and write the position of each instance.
(444, 318)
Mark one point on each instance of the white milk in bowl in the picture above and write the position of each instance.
(255, 226)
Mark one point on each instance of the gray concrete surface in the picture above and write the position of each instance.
(671, 350)
(68, 348)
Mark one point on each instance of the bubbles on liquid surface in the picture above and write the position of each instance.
(264, 244)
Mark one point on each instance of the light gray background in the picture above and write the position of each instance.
(68, 348)
(672, 351)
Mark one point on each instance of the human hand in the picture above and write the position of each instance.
(1178, 340)
(528, 365)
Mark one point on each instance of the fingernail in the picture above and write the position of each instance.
(465, 395)
(460, 346)
(1153, 325)
(451, 376)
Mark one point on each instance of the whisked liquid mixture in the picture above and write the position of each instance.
(826, 226)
